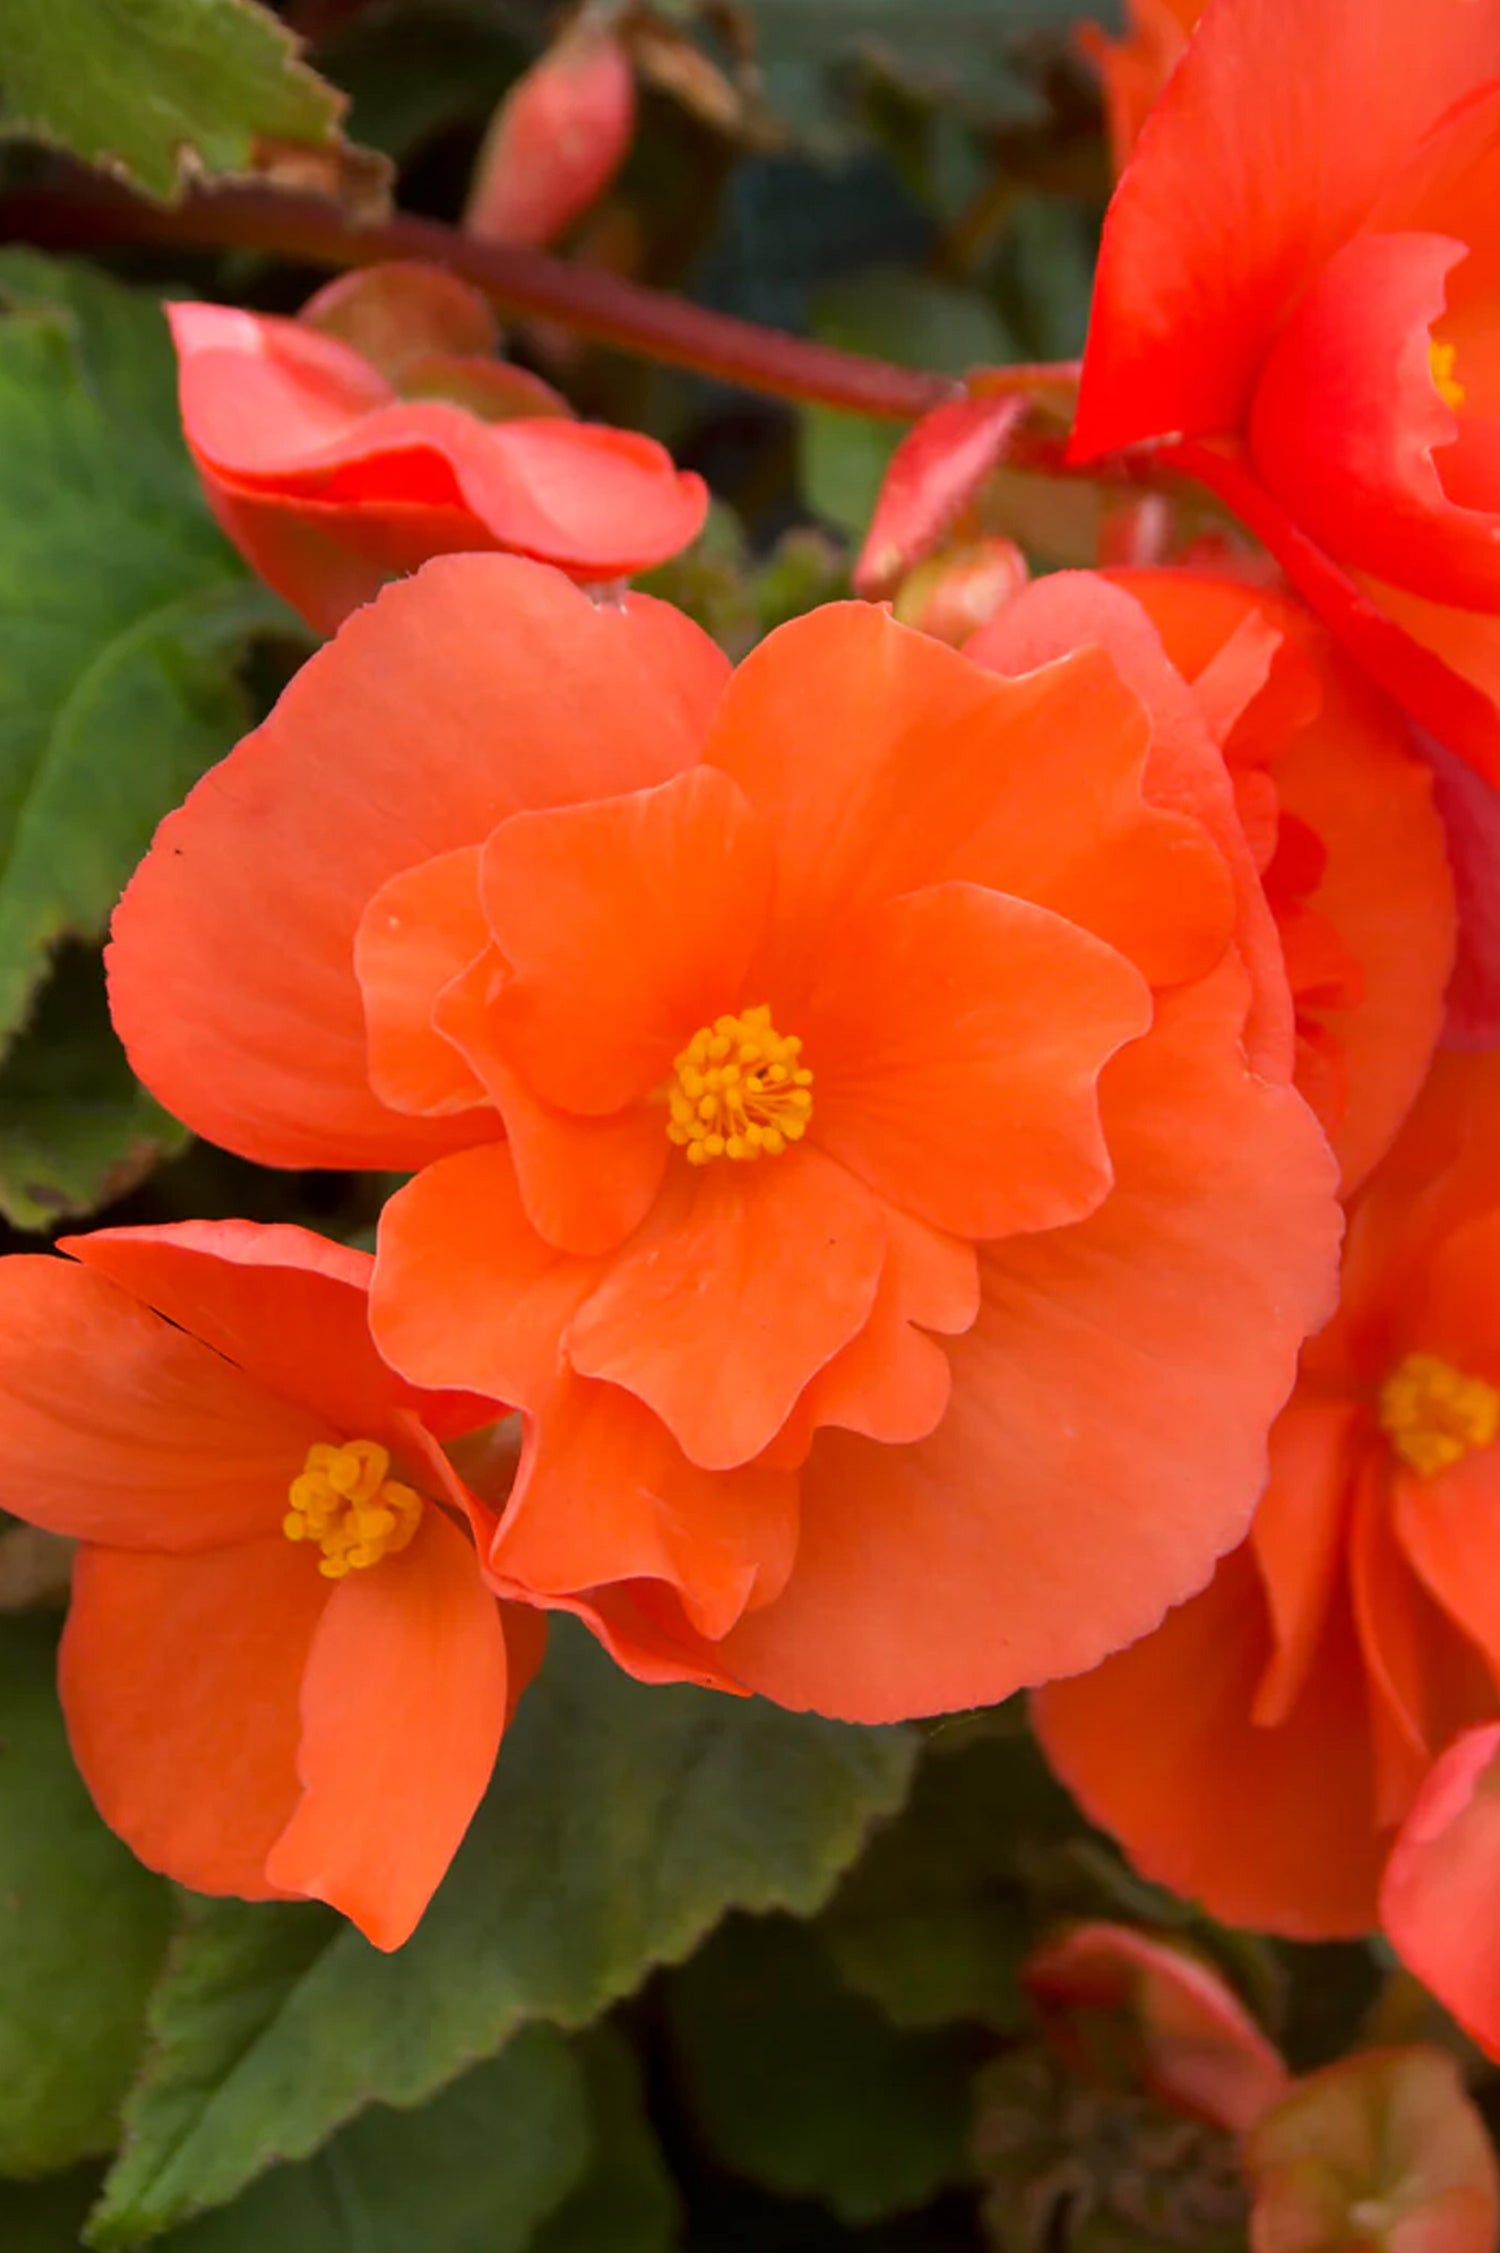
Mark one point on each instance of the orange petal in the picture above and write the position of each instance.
(288, 1308)
(956, 1038)
(403, 1703)
(180, 1679)
(480, 687)
(1437, 1903)
(626, 925)
(117, 1427)
(1297, 1536)
(604, 1493)
(1269, 1827)
(888, 762)
(465, 1291)
(587, 1183)
(746, 1279)
(423, 927)
(1107, 1433)
(1448, 1528)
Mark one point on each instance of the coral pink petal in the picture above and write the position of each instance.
(1437, 1902)
(480, 687)
(180, 1679)
(117, 1427)
(1107, 1433)
(626, 925)
(423, 928)
(956, 1038)
(1297, 1538)
(1275, 135)
(746, 1280)
(403, 1704)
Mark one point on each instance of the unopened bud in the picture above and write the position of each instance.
(556, 141)
(952, 595)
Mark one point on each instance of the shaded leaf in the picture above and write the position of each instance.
(158, 90)
(806, 2088)
(122, 609)
(472, 2172)
(627, 2201)
(46, 2216)
(623, 1821)
(82, 1928)
(77, 1129)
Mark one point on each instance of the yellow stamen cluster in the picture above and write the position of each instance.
(1434, 1415)
(343, 1500)
(1440, 358)
(740, 1091)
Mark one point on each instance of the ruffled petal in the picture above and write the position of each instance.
(1107, 1433)
(1268, 1827)
(117, 1427)
(482, 686)
(403, 1704)
(626, 925)
(180, 1679)
(423, 927)
(745, 1281)
(956, 1038)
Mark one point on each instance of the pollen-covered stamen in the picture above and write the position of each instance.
(1434, 1415)
(741, 1091)
(343, 1500)
(1441, 359)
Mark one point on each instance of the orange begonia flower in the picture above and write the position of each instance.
(1298, 281)
(1339, 812)
(282, 1673)
(333, 471)
(853, 1004)
(1260, 1749)
(1136, 68)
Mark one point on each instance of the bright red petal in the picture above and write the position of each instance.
(483, 686)
(180, 1678)
(403, 1704)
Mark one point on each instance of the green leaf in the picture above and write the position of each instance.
(622, 1822)
(475, 2171)
(77, 1129)
(160, 90)
(896, 316)
(82, 1928)
(122, 610)
(806, 2088)
(627, 2202)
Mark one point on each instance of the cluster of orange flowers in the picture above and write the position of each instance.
(880, 1120)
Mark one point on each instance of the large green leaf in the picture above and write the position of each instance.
(623, 1821)
(122, 610)
(804, 2087)
(475, 2171)
(82, 1928)
(159, 90)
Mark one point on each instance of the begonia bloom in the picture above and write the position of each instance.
(1339, 812)
(332, 474)
(851, 1042)
(1260, 1750)
(1298, 279)
(282, 1673)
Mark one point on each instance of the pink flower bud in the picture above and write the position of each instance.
(556, 141)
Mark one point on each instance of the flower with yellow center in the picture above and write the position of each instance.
(344, 1501)
(740, 1091)
(1434, 1415)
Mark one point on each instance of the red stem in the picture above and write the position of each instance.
(650, 323)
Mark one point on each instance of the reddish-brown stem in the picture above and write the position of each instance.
(650, 323)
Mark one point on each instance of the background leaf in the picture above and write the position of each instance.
(626, 2203)
(623, 1821)
(82, 1929)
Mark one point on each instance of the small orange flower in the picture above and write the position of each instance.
(282, 1673)
(346, 447)
(795, 1024)
(1260, 1749)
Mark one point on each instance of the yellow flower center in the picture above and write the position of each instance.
(343, 1500)
(740, 1091)
(1440, 358)
(1434, 1415)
